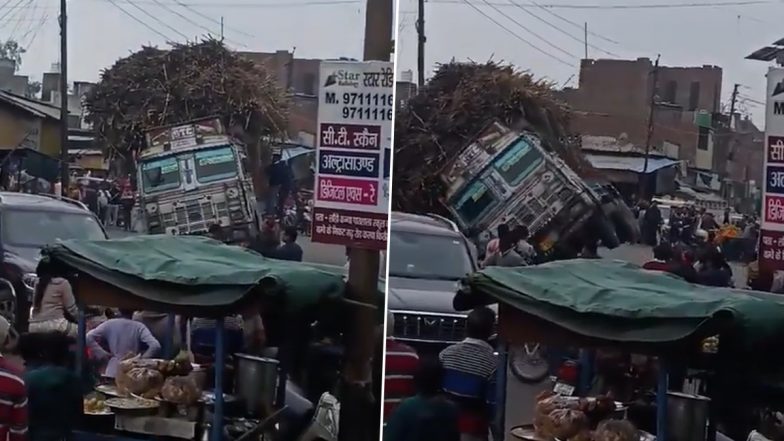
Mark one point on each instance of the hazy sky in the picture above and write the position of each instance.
(100, 33)
(719, 35)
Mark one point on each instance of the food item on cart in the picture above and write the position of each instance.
(597, 409)
(616, 430)
(548, 401)
(95, 405)
(131, 403)
(180, 390)
(179, 366)
(561, 424)
(139, 381)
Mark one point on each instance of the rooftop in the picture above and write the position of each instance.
(36, 108)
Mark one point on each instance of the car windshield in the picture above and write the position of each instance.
(474, 201)
(426, 256)
(517, 162)
(216, 164)
(160, 174)
(39, 228)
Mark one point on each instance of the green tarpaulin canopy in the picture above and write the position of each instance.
(197, 273)
(616, 301)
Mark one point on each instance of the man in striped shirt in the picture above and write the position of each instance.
(401, 363)
(469, 373)
(13, 393)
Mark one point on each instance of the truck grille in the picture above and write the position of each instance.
(195, 214)
(429, 328)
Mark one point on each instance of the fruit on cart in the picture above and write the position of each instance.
(180, 390)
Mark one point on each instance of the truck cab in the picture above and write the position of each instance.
(504, 176)
(193, 176)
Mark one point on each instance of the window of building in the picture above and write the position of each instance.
(310, 84)
(694, 95)
(703, 137)
(671, 92)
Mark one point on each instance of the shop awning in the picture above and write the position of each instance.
(634, 164)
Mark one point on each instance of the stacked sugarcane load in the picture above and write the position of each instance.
(453, 107)
(156, 87)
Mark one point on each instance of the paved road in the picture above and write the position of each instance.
(314, 252)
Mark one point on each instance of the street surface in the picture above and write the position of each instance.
(314, 252)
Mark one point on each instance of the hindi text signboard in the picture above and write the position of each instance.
(351, 201)
(771, 246)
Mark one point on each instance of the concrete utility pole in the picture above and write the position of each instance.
(64, 173)
(649, 137)
(586, 40)
(420, 28)
(360, 410)
(732, 103)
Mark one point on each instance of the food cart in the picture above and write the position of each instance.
(195, 277)
(604, 303)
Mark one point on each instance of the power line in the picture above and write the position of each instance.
(710, 4)
(38, 28)
(20, 18)
(11, 9)
(578, 39)
(166, 25)
(292, 4)
(212, 19)
(575, 24)
(514, 34)
(137, 20)
(177, 13)
(545, 40)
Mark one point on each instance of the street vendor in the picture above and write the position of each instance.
(118, 337)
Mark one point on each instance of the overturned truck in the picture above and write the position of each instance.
(517, 166)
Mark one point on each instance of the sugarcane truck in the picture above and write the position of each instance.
(192, 176)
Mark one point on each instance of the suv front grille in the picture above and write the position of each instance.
(429, 327)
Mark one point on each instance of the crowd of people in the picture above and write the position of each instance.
(111, 201)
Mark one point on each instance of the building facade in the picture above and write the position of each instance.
(26, 123)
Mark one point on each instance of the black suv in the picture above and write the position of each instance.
(27, 224)
(428, 256)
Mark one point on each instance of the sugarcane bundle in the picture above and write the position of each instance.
(156, 87)
(451, 109)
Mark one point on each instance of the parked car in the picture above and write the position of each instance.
(27, 224)
(428, 258)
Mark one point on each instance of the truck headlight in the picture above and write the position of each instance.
(30, 280)
(151, 208)
(232, 193)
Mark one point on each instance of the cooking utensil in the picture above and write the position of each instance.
(256, 383)
(687, 415)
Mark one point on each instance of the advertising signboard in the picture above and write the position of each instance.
(771, 246)
(351, 201)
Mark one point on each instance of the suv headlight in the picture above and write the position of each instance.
(30, 280)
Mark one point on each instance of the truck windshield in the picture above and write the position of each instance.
(518, 161)
(160, 174)
(474, 201)
(216, 164)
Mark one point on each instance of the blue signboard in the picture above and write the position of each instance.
(774, 177)
(343, 163)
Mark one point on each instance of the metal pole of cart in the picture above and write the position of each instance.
(661, 402)
(217, 415)
(81, 341)
(168, 345)
(500, 391)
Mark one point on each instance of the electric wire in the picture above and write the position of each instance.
(161, 22)
(514, 34)
(525, 28)
(572, 36)
(11, 9)
(187, 19)
(211, 19)
(138, 20)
